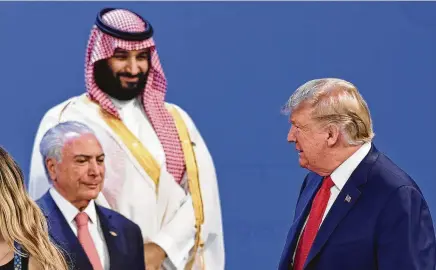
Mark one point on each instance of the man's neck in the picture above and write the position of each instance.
(339, 156)
(79, 204)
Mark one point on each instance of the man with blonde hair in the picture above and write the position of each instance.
(356, 209)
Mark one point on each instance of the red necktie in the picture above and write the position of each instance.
(315, 217)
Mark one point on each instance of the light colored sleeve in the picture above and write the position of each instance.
(177, 234)
(38, 181)
(213, 234)
(213, 237)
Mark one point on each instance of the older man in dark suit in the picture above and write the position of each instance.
(357, 209)
(93, 237)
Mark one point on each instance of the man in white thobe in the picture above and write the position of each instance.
(159, 172)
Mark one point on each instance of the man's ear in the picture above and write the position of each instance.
(333, 133)
(50, 164)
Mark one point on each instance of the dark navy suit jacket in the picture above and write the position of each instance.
(123, 238)
(385, 224)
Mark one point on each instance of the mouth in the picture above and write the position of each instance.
(129, 79)
(92, 186)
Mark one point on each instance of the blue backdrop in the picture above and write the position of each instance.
(232, 66)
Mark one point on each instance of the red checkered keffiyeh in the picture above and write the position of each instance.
(102, 46)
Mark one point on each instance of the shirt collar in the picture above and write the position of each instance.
(91, 212)
(121, 104)
(69, 211)
(343, 172)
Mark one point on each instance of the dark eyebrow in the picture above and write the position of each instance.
(118, 50)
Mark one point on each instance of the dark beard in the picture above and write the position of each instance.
(111, 84)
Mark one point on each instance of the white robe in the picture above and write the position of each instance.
(166, 219)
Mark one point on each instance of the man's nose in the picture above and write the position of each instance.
(93, 167)
(132, 66)
(291, 135)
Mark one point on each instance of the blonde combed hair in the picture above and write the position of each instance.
(21, 220)
(338, 102)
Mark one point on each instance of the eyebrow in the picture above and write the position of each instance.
(88, 156)
(118, 50)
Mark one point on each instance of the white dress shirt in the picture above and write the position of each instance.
(69, 211)
(340, 177)
(342, 173)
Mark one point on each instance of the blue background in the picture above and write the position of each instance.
(232, 66)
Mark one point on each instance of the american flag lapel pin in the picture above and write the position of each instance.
(348, 198)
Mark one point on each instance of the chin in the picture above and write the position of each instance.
(91, 194)
(302, 166)
(303, 163)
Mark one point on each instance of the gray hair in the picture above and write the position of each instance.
(335, 101)
(55, 138)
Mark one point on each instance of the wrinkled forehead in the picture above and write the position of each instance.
(124, 20)
(77, 144)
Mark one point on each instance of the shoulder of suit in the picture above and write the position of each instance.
(389, 175)
(42, 203)
(117, 216)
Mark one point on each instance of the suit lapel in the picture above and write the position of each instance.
(346, 199)
(301, 213)
(111, 236)
(62, 234)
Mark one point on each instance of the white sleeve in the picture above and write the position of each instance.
(213, 237)
(177, 234)
(214, 241)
